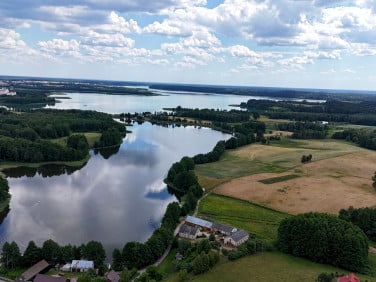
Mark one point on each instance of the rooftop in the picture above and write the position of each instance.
(349, 278)
(82, 264)
(47, 278)
(188, 229)
(239, 235)
(223, 228)
(198, 221)
(34, 270)
(112, 276)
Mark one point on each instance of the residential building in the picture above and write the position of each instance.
(82, 265)
(188, 231)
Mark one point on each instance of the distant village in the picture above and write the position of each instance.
(6, 92)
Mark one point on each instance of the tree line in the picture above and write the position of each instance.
(354, 112)
(50, 251)
(305, 130)
(138, 255)
(4, 190)
(212, 114)
(364, 137)
(324, 238)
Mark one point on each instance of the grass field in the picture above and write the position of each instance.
(259, 221)
(278, 157)
(92, 137)
(271, 266)
(208, 183)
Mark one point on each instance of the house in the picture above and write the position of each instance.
(30, 273)
(112, 276)
(188, 231)
(82, 265)
(223, 229)
(47, 278)
(195, 221)
(237, 238)
(348, 278)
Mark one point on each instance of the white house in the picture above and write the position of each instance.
(82, 265)
(237, 238)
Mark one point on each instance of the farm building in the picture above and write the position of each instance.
(188, 231)
(237, 238)
(112, 276)
(348, 278)
(82, 265)
(30, 273)
(223, 229)
(195, 221)
(47, 278)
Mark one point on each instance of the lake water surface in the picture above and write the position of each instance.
(114, 200)
(133, 103)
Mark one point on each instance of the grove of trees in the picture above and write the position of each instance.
(364, 218)
(324, 238)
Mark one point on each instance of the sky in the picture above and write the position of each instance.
(282, 43)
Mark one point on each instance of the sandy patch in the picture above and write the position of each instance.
(325, 186)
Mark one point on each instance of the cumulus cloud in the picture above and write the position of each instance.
(247, 34)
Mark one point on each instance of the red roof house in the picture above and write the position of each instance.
(348, 278)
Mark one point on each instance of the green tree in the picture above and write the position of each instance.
(117, 260)
(10, 255)
(51, 251)
(187, 163)
(67, 253)
(32, 254)
(126, 275)
(94, 251)
(183, 275)
(78, 142)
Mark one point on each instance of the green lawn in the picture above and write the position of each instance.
(259, 221)
(271, 266)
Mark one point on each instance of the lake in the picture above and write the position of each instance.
(114, 200)
(133, 103)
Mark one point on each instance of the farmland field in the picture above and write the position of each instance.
(263, 174)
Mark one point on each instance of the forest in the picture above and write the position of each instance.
(354, 112)
(33, 136)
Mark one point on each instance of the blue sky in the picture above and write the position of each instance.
(283, 43)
